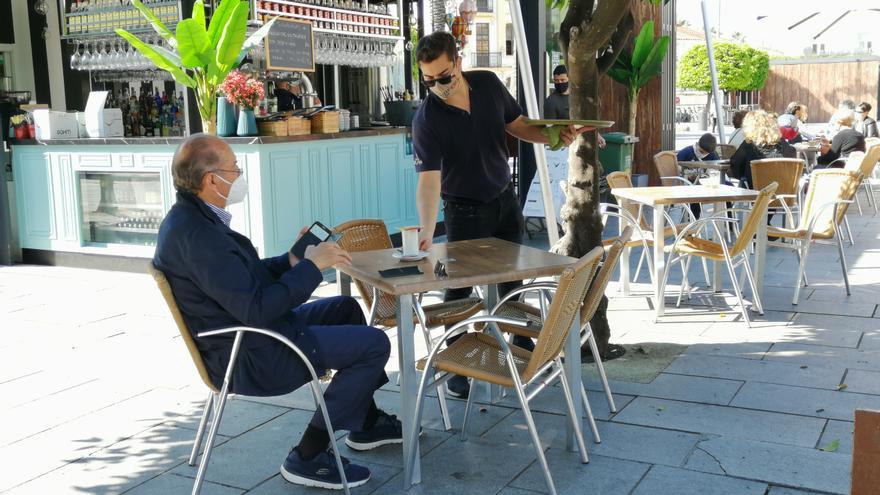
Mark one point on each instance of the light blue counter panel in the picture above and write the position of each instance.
(291, 184)
(34, 197)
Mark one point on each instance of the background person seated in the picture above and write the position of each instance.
(219, 281)
(864, 123)
(762, 140)
(846, 140)
(703, 149)
(736, 138)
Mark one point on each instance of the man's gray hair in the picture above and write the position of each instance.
(195, 157)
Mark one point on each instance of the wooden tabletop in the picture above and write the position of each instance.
(468, 263)
(707, 164)
(684, 194)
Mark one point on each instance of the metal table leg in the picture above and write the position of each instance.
(572, 372)
(659, 260)
(408, 381)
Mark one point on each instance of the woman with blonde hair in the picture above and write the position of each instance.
(762, 140)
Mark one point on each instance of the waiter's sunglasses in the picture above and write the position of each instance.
(429, 83)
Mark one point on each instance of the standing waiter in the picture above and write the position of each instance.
(461, 156)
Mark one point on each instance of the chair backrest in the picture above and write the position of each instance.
(368, 235)
(568, 300)
(666, 163)
(854, 160)
(725, 151)
(785, 172)
(165, 289)
(827, 185)
(621, 180)
(869, 161)
(757, 214)
(871, 142)
(597, 288)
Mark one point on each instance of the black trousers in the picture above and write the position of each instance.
(465, 220)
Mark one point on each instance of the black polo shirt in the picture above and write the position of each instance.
(469, 149)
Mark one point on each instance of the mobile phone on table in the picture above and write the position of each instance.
(400, 272)
(316, 234)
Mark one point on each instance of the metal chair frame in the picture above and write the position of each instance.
(742, 259)
(216, 401)
(538, 383)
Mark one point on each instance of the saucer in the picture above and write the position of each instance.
(415, 257)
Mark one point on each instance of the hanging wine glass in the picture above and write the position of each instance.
(74, 59)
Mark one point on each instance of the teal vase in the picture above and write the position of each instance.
(226, 124)
(247, 123)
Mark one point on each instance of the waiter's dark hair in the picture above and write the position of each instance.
(193, 159)
(431, 46)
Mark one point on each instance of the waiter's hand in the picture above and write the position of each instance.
(426, 239)
(571, 132)
(600, 141)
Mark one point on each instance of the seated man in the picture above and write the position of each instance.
(703, 149)
(219, 281)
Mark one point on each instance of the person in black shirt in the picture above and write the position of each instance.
(287, 99)
(762, 139)
(460, 143)
(845, 141)
(864, 123)
(556, 105)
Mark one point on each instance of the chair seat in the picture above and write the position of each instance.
(701, 247)
(795, 233)
(445, 313)
(477, 355)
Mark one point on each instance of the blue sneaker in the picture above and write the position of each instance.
(387, 430)
(321, 472)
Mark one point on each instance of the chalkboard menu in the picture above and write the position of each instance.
(289, 46)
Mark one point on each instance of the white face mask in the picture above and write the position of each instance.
(444, 91)
(238, 189)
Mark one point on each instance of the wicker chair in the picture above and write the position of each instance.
(666, 163)
(864, 164)
(216, 401)
(787, 174)
(522, 311)
(725, 151)
(687, 245)
(830, 194)
(487, 357)
(369, 235)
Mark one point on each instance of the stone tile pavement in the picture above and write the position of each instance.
(97, 395)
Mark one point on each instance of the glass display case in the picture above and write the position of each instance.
(120, 208)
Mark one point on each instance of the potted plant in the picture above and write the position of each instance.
(245, 92)
(201, 54)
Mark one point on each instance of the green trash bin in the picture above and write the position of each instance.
(618, 152)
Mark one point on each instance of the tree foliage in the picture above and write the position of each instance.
(740, 68)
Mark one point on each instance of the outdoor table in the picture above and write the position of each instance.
(484, 262)
(722, 166)
(809, 153)
(659, 198)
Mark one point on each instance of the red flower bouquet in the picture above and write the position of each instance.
(242, 90)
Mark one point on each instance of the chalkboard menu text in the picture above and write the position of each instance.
(290, 47)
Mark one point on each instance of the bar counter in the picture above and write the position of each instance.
(108, 196)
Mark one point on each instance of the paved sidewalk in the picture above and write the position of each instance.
(99, 396)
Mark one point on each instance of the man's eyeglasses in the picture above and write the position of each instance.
(236, 171)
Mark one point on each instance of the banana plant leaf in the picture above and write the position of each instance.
(157, 25)
(232, 37)
(193, 45)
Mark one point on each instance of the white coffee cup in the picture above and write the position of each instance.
(410, 237)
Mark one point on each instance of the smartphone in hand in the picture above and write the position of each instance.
(316, 234)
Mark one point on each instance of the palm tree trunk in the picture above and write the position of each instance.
(633, 110)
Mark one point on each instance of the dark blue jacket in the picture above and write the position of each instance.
(687, 154)
(218, 281)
